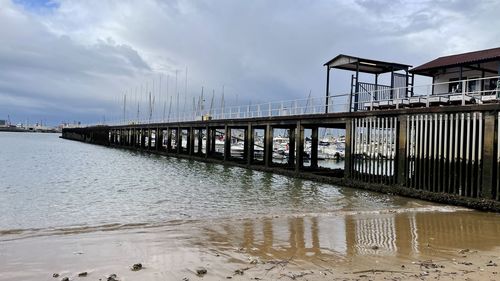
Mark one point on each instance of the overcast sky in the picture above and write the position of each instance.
(74, 60)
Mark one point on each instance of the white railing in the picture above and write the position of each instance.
(462, 92)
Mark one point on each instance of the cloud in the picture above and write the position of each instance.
(78, 55)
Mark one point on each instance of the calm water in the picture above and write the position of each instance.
(48, 182)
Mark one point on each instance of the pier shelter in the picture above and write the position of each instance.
(364, 92)
(474, 73)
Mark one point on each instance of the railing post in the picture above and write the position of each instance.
(371, 101)
(464, 85)
(397, 99)
(270, 110)
(429, 90)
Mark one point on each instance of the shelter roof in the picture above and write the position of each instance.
(352, 63)
(457, 60)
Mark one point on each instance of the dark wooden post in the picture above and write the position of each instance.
(169, 139)
(178, 141)
(250, 142)
(159, 138)
(401, 150)
(213, 137)
(489, 156)
(268, 145)
(245, 143)
(314, 147)
(299, 139)
(131, 133)
(143, 139)
(190, 141)
(291, 146)
(356, 89)
(392, 83)
(207, 140)
(200, 141)
(150, 134)
(348, 144)
(227, 143)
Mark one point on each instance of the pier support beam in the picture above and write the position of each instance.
(213, 137)
(190, 141)
(169, 139)
(299, 139)
(314, 147)
(291, 146)
(150, 134)
(178, 140)
(143, 139)
(268, 146)
(489, 156)
(227, 143)
(348, 146)
(207, 141)
(401, 150)
(200, 141)
(249, 144)
(159, 139)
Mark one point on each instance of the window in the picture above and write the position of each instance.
(455, 86)
(473, 85)
(490, 84)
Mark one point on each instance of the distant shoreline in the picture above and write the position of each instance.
(21, 130)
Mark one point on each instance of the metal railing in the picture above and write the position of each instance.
(462, 92)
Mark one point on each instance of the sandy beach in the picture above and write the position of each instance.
(407, 244)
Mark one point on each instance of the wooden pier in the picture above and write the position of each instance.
(443, 154)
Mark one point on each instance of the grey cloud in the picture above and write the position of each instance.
(260, 50)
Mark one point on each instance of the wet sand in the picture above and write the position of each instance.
(400, 244)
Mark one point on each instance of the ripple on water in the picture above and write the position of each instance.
(81, 184)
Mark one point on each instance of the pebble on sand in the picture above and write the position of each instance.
(200, 271)
(136, 267)
(55, 275)
(82, 274)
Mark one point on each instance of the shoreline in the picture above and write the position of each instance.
(409, 244)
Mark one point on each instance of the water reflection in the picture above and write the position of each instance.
(341, 237)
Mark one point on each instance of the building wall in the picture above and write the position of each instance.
(453, 74)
